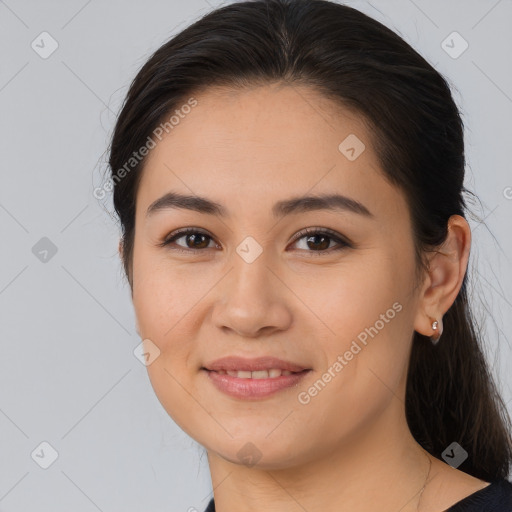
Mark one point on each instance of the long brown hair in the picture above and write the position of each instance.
(417, 132)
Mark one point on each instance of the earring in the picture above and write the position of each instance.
(437, 327)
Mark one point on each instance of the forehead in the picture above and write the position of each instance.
(244, 148)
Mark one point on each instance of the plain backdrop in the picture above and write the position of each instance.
(73, 395)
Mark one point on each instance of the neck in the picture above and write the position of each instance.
(380, 464)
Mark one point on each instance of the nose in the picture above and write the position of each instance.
(252, 300)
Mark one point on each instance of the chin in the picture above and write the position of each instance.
(259, 452)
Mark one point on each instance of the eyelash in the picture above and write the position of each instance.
(301, 234)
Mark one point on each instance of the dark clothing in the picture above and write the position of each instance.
(496, 497)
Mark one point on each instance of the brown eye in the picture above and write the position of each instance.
(197, 240)
(194, 240)
(319, 241)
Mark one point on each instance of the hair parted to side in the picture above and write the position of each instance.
(417, 133)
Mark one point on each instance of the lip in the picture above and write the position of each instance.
(253, 364)
(251, 389)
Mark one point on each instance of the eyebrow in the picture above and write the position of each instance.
(295, 205)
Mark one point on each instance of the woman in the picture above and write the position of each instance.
(289, 180)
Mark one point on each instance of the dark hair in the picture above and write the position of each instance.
(417, 133)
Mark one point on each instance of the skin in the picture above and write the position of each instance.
(349, 447)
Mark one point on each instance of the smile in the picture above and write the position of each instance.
(260, 374)
(254, 385)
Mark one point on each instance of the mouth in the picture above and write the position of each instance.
(270, 365)
(250, 379)
(245, 385)
(273, 373)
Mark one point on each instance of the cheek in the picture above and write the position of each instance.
(366, 320)
(366, 363)
(354, 296)
(161, 297)
(163, 305)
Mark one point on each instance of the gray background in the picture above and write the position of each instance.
(68, 374)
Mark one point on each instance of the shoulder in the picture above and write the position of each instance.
(210, 507)
(495, 497)
(453, 490)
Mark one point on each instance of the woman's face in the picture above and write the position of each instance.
(343, 310)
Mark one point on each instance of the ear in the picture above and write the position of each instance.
(447, 268)
(120, 249)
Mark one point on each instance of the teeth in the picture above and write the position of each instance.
(260, 374)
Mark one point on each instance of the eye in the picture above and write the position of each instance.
(192, 235)
(316, 238)
(321, 237)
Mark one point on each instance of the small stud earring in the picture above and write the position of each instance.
(437, 326)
